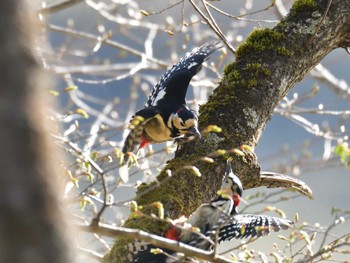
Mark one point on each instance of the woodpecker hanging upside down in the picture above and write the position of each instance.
(166, 115)
(217, 221)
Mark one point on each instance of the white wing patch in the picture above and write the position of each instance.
(161, 93)
(191, 65)
(184, 66)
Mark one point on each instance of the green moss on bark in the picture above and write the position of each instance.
(301, 6)
(181, 177)
(263, 41)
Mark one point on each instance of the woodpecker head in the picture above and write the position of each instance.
(186, 122)
(232, 185)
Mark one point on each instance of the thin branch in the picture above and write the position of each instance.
(99, 170)
(260, 10)
(322, 251)
(312, 111)
(165, 9)
(96, 69)
(56, 7)
(109, 42)
(90, 253)
(320, 23)
(263, 199)
(240, 17)
(326, 232)
(210, 24)
(214, 22)
(95, 127)
(109, 231)
(74, 96)
(339, 86)
(243, 243)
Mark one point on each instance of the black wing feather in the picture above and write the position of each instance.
(174, 83)
(244, 226)
(145, 256)
(166, 256)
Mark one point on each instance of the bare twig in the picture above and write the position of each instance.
(330, 248)
(56, 7)
(339, 86)
(106, 230)
(326, 233)
(320, 23)
(314, 111)
(90, 253)
(109, 42)
(260, 10)
(212, 26)
(165, 9)
(240, 17)
(98, 169)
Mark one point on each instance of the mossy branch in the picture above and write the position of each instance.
(268, 65)
(107, 230)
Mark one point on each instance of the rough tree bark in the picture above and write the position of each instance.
(268, 65)
(31, 222)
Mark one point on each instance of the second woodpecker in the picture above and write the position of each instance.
(214, 222)
(166, 115)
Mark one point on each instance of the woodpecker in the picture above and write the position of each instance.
(216, 221)
(166, 115)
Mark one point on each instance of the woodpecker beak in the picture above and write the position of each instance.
(195, 132)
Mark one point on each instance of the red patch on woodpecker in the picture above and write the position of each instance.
(236, 199)
(144, 142)
(173, 233)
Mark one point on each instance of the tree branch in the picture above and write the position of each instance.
(106, 230)
(268, 65)
(54, 8)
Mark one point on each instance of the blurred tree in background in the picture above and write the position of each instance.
(32, 225)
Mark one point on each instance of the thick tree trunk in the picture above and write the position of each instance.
(268, 65)
(31, 222)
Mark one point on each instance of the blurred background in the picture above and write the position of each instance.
(105, 58)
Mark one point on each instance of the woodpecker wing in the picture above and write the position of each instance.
(138, 122)
(244, 226)
(144, 254)
(218, 212)
(174, 83)
(140, 252)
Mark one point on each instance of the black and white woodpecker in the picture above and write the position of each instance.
(166, 115)
(217, 221)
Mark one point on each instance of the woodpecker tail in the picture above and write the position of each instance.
(133, 139)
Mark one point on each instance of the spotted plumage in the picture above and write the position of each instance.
(217, 221)
(173, 85)
(245, 226)
(166, 115)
